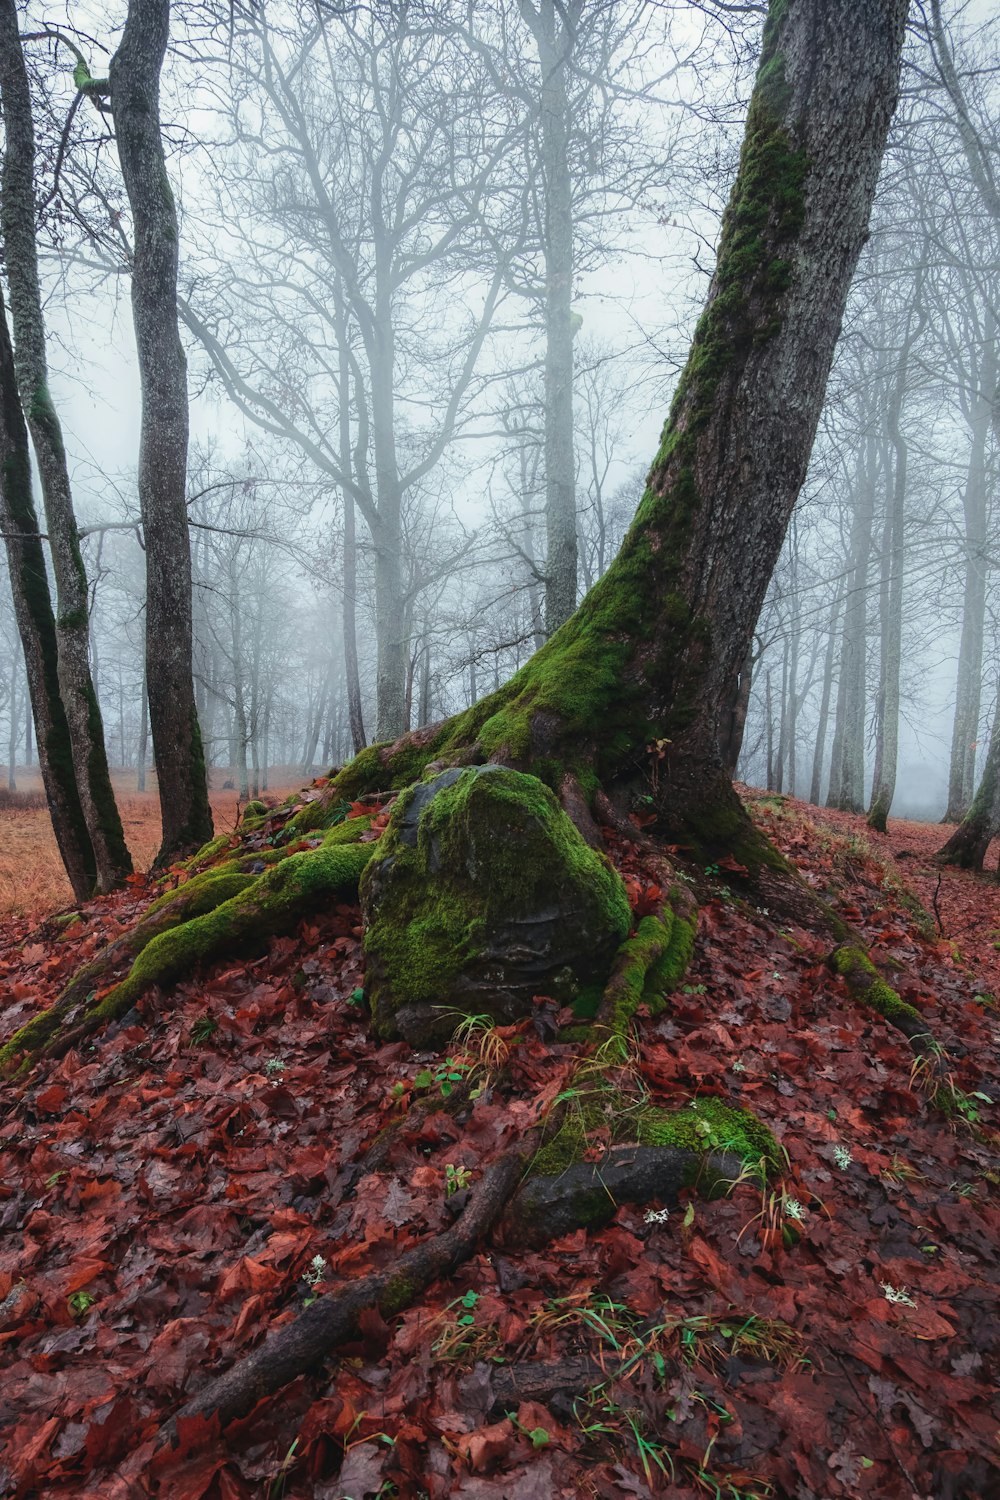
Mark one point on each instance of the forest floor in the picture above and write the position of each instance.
(32, 879)
(182, 1183)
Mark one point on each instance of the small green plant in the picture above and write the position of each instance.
(81, 1302)
(444, 1076)
(276, 1488)
(479, 1039)
(461, 1338)
(273, 1066)
(202, 1030)
(455, 1179)
(311, 1277)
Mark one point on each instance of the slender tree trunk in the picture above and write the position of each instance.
(847, 781)
(891, 618)
(965, 729)
(36, 626)
(349, 616)
(816, 783)
(14, 725)
(554, 40)
(968, 844)
(177, 747)
(143, 750)
(769, 732)
(17, 215)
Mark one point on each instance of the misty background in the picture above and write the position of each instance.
(277, 124)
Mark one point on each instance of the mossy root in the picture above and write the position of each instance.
(257, 907)
(867, 985)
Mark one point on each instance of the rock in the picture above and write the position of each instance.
(482, 895)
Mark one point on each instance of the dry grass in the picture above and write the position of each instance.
(32, 880)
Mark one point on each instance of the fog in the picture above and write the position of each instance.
(376, 448)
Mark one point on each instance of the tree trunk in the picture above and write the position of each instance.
(36, 626)
(965, 730)
(12, 738)
(968, 844)
(554, 40)
(177, 748)
(648, 658)
(847, 774)
(83, 716)
(815, 785)
(734, 721)
(893, 559)
(143, 749)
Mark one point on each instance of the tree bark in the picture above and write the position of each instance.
(847, 771)
(968, 844)
(17, 216)
(965, 729)
(893, 559)
(553, 38)
(816, 783)
(177, 747)
(646, 662)
(37, 629)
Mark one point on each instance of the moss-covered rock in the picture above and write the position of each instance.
(483, 894)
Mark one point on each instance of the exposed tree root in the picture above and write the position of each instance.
(867, 985)
(217, 913)
(588, 1194)
(541, 1209)
(333, 1319)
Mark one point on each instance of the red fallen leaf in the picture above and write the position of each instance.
(136, 878)
(83, 1272)
(51, 1098)
(33, 953)
(248, 1275)
(727, 862)
(486, 1446)
(754, 974)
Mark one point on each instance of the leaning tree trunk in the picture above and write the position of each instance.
(36, 626)
(968, 844)
(83, 715)
(177, 747)
(629, 691)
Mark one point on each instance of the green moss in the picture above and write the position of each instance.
(633, 963)
(253, 811)
(398, 1293)
(867, 985)
(709, 1124)
(669, 969)
(705, 1125)
(436, 926)
(254, 907)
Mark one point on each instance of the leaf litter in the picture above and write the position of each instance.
(189, 1180)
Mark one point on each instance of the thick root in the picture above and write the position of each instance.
(212, 915)
(587, 1194)
(333, 1319)
(867, 985)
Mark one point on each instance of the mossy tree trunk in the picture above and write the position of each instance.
(968, 844)
(134, 88)
(37, 628)
(17, 216)
(649, 657)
